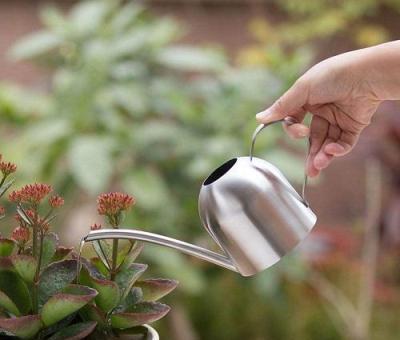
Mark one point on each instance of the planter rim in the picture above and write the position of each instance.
(152, 333)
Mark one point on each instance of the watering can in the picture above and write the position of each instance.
(250, 210)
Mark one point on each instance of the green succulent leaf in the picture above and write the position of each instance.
(132, 255)
(138, 330)
(123, 251)
(98, 263)
(6, 247)
(55, 278)
(50, 244)
(128, 276)
(139, 314)
(103, 251)
(75, 332)
(94, 313)
(24, 327)
(109, 293)
(69, 300)
(25, 266)
(155, 289)
(89, 270)
(135, 296)
(61, 253)
(13, 286)
(48, 331)
(8, 304)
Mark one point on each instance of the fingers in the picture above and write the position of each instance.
(318, 133)
(293, 127)
(322, 158)
(327, 142)
(291, 102)
(343, 145)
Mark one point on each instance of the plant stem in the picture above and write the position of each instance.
(114, 258)
(35, 283)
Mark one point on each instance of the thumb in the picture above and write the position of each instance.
(289, 104)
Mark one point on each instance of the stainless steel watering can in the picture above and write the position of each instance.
(249, 209)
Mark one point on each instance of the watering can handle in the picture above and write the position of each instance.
(288, 120)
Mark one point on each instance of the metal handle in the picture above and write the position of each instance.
(288, 120)
(184, 247)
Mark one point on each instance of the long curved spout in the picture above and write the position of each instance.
(184, 247)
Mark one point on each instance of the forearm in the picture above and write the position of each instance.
(380, 69)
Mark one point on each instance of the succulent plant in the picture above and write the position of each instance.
(38, 298)
(124, 302)
(41, 296)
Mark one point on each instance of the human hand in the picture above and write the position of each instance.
(342, 93)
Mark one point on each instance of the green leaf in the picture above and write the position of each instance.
(25, 266)
(109, 294)
(134, 296)
(123, 251)
(139, 314)
(24, 327)
(91, 162)
(55, 278)
(87, 16)
(185, 58)
(6, 247)
(155, 289)
(36, 45)
(92, 312)
(95, 261)
(8, 304)
(5, 187)
(14, 287)
(103, 251)
(50, 243)
(75, 332)
(132, 255)
(61, 253)
(71, 299)
(126, 277)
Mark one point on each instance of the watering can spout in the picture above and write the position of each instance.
(185, 247)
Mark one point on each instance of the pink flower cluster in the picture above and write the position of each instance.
(113, 203)
(7, 168)
(56, 201)
(21, 234)
(30, 193)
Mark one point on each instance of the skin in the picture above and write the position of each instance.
(342, 93)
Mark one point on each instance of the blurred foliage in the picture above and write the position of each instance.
(309, 23)
(129, 107)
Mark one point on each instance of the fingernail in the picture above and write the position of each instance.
(263, 114)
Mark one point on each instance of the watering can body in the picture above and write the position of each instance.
(253, 213)
(249, 209)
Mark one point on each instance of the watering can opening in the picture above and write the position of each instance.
(220, 171)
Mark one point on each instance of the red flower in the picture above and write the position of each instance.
(56, 201)
(113, 203)
(95, 226)
(31, 193)
(7, 168)
(21, 234)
